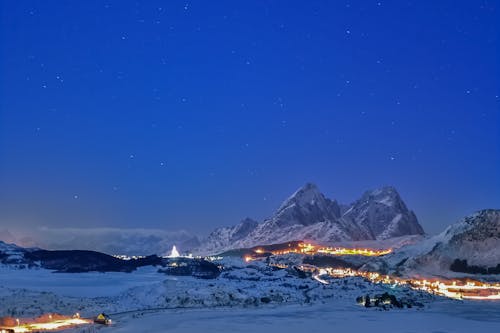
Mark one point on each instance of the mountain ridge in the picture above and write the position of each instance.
(309, 215)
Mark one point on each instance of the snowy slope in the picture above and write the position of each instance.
(11, 254)
(34, 292)
(226, 236)
(476, 238)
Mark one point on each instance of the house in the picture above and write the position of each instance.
(103, 319)
(7, 330)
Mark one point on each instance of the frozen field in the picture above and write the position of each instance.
(232, 303)
(91, 284)
(329, 317)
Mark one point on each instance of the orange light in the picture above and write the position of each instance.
(56, 324)
(310, 249)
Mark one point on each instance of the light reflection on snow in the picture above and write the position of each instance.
(458, 289)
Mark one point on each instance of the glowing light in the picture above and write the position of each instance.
(320, 273)
(174, 253)
(50, 325)
(310, 249)
(459, 289)
(469, 289)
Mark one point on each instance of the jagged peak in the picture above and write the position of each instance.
(307, 194)
(473, 220)
(384, 190)
(485, 214)
(307, 209)
(248, 220)
(387, 195)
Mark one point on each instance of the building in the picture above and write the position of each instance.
(103, 319)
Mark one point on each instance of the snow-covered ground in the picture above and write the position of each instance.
(244, 298)
(331, 316)
(35, 292)
(91, 284)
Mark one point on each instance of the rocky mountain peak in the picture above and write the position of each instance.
(479, 226)
(386, 195)
(308, 214)
(468, 246)
(306, 206)
(243, 228)
(308, 194)
(382, 214)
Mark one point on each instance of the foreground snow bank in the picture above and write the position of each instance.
(334, 316)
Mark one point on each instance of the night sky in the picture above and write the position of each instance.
(193, 115)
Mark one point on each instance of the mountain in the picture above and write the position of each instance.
(224, 237)
(468, 246)
(308, 215)
(11, 254)
(382, 214)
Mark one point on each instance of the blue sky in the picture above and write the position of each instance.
(196, 114)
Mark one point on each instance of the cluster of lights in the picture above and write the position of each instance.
(125, 257)
(470, 289)
(57, 324)
(341, 251)
(310, 249)
(212, 258)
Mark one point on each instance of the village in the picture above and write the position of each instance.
(277, 257)
(456, 288)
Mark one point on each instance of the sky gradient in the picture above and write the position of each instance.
(195, 114)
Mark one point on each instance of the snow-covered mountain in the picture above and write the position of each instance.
(475, 239)
(222, 238)
(11, 254)
(382, 214)
(309, 215)
(472, 244)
